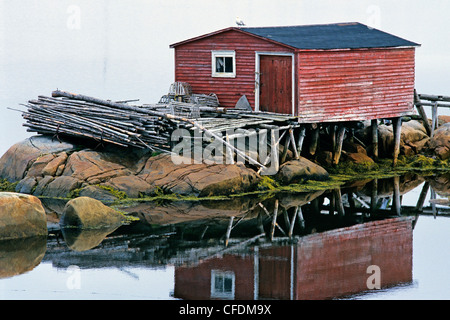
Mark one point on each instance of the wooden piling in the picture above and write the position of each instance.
(301, 138)
(397, 129)
(314, 139)
(374, 127)
(339, 141)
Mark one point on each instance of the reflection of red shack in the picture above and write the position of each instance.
(320, 266)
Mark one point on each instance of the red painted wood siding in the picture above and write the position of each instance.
(193, 65)
(355, 84)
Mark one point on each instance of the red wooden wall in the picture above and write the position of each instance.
(193, 65)
(357, 84)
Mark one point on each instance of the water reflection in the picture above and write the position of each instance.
(315, 245)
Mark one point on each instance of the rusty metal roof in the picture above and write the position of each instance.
(330, 36)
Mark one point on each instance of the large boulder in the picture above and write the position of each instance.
(21, 216)
(302, 169)
(413, 138)
(197, 179)
(15, 163)
(88, 213)
(439, 144)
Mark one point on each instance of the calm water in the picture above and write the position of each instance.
(324, 245)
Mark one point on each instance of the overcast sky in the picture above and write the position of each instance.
(117, 49)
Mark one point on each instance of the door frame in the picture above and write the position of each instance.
(258, 55)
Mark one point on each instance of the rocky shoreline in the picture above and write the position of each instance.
(44, 167)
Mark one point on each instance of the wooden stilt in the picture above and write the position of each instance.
(230, 154)
(434, 118)
(285, 149)
(314, 139)
(339, 141)
(374, 126)
(294, 147)
(397, 128)
(422, 113)
(301, 138)
(274, 150)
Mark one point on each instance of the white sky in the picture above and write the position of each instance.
(119, 49)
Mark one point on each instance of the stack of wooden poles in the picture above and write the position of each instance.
(146, 126)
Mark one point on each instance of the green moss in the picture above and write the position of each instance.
(267, 183)
(120, 195)
(7, 186)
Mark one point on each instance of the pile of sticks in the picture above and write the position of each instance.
(146, 126)
(104, 121)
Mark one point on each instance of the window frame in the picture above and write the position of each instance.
(223, 275)
(223, 54)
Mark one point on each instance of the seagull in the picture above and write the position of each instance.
(239, 22)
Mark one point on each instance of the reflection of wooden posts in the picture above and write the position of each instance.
(396, 203)
(292, 223)
(374, 196)
(338, 147)
(433, 205)
(374, 127)
(422, 196)
(314, 139)
(397, 129)
(274, 220)
(338, 202)
(227, 236)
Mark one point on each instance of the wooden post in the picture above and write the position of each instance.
(397, 128)
(422, 113)
(229, 154)
(274, 152)
(285, 149)
(314, 139)
(434, 118)
(339, 141)
(294, 147)
(301, 138)
(374, 126)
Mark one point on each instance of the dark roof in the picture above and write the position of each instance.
(330, 36)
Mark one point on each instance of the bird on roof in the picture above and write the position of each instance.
(239, 22)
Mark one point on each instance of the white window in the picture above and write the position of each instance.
(222, 284)
(223, 64)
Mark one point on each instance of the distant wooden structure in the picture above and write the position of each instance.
(322, 74)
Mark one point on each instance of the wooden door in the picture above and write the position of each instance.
(275, 84)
